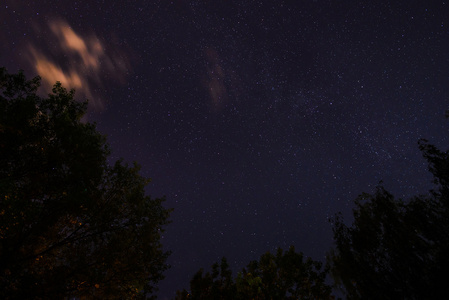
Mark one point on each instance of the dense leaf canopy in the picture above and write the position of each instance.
(286, 275)
(70, 223)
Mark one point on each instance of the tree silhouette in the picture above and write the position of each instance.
(397, 249)
(286, 275)
(70, 224)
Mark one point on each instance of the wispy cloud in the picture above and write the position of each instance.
(77, 61)
(215, 80)
(90, 50)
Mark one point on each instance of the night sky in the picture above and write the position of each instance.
(258, 120)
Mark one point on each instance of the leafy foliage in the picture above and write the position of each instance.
(396, 249)
(70, 224)
(286, 275)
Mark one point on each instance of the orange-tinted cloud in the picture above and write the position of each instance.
(82, 61)
(89, 49)
(50, 73)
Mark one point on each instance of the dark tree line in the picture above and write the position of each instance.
(395, 249)
(286, 275)
(71, 225)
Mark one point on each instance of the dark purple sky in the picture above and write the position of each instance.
(258, 120)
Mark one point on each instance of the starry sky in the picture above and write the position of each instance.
(258, 120)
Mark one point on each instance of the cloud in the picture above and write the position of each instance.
(77, 61)
(215, 81)
(50, 73)
(222, 82)
(89, 49)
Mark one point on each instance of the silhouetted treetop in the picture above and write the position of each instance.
(71, 225)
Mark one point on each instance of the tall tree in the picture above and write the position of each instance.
(286, 275)
(397, 249)
(70, 224)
